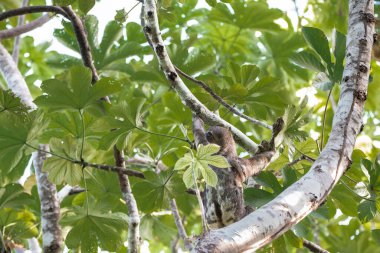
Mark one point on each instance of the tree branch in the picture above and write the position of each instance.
(32, 9)
(153, 35)
(178, 221)
(5, 34)
(313, 247)
(84, 46)
(297, 201)
(133, 213)
(221, 101)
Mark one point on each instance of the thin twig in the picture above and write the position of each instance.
(313, 247)
(164, 135)
(105, 167)
(221, 101)
(179, 224)
(32, 9)
(9, 33)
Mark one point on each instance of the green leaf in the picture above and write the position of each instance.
(153, 193)
(60, 169)
(322, 82)
(376, 235)
(188, 178)
(267, 179)
(212, 3)
(15, 132)
(121, 15)
(307, 60)
(18, 225)
(112, 32)
(92, 228)
(293, 240)
(76, 93)
(318, 41)
(63, 2)
(122, 118)
(10, 104)
(86, 5)
(206, 151)
(248, 73)
(339, 53)
(13, 196)
(257, 197)
(217, 161)
(184, 162)
(208, 175)
(366, 211)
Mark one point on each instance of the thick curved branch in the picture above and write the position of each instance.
(32, 9)
(10, 33)
(84, 46)
(153, 34)
(221, 101)
(297, 201)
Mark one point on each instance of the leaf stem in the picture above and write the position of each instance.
(324, 118)
(86, 191)
(362, 197)
(164, 135)
(198, 193)
(51, 153)
(83, 135)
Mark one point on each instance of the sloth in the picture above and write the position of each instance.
(224, 204)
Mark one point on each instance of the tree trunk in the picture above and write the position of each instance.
(296, 202)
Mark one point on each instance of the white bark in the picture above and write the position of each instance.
(14, 79)
(134, 239)
(52, 238)
(152, 32)
(296, 202)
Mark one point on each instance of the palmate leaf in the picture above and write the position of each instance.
(318, 41)
(10, 104)
(92, 228)
(13, 196)
(17, 225)
(15, 133)
(61, 170)
(121, 119)
(198, 164)
(76, 93)
(153, 193)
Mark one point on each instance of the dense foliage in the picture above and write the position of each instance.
(250, 55)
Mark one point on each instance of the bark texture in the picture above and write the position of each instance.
(296, 202)
(50, 208)
(133, 213)
(9, 33)
(153, 35)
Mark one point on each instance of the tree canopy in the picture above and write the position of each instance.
(114, 125)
